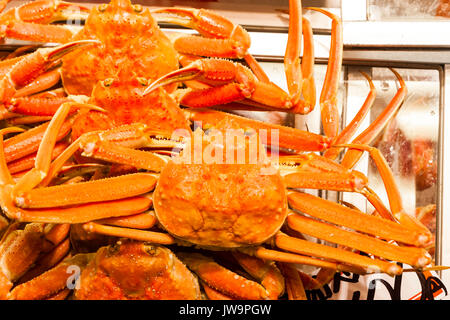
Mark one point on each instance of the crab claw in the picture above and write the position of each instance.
(190, 72)
(58, 52)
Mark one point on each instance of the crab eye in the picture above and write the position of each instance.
(107, 82)
(142, 81)
(102, 7)
(137, 8)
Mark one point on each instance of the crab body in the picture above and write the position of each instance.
(220, 205)
(129, 39)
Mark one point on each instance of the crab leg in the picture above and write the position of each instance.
(44, 11)
(26, 120)
(108, 189)
(18, 251)
(142, 235)
(326, 252)
(234, 83)
(367, 136)
(28, 142)
(328, 96)
(413, 256)
(48, 261)
(300, 77)
(393, 193)
(33, 65)
(354, 219)
(315, 172)
(224, 280)
(289, 138)
(221, 38)
(30, 21)
(36, 32)
(349, 130)
(265, 272)
(115, 145)
(43, 157)
(41, 83)
(144, 220)
(36, 106)
(27, 162)
(50, 282)
(294, 284)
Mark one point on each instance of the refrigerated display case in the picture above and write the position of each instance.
(378, 35)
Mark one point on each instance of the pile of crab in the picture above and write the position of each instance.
(108, 191)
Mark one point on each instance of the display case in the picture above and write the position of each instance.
(378, 35)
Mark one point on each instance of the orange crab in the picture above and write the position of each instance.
(130, 58)
(256, 203)
(126, 270)
(238, 206)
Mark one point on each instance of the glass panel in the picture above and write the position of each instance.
(410, 141)
(408, 9)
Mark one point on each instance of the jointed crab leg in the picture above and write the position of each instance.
(294, 284)
(116, 145)
(347, 133)
(393, 193)
(413, 256)
(33, 65)
(289, 138)
(367, 136)
(43, 11)
(221, 38)
(26, 143)
(87, 192)
(27, 162)
(41, 83)
(265, 272)
(322, 251)
(300, 76)
(328, 96)
(354, 219)
(29, 21)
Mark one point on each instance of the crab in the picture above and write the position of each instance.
(126, 270)
(130, 51)
(260, 198)
(238, 206)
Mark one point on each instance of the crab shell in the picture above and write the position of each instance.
(220, 205)
(130, 38)
(136, 270)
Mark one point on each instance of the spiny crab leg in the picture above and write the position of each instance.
(43, 11)
(116, 145)
(87, 192)
(31, 21)
(221, 38)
